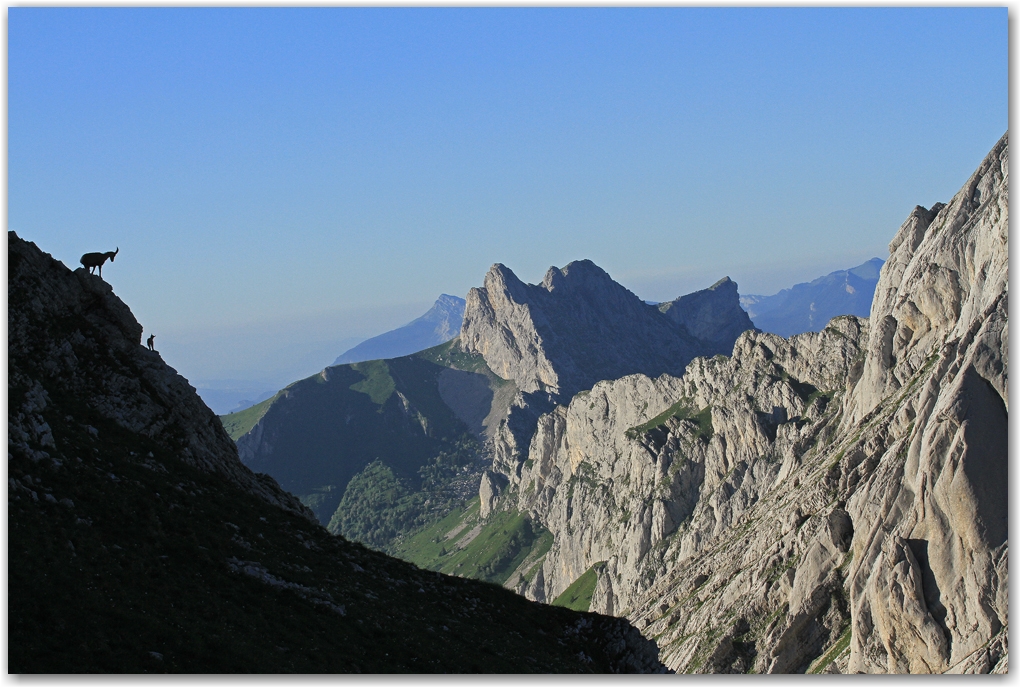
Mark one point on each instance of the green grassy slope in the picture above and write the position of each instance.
(378, 382)
(682, 411)
(578, 595)
(328, 429)
(464, 544)
(332, 428)
(393, 474)
(450, 354)
(240, 423)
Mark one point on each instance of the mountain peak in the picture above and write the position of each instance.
(446, 299)
(440, 324)
(809, 306)
(713, 314)
(868, 270)
(501, 278)
(579, 326)
(577, 274)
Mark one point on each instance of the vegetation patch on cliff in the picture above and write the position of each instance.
(681, 410)
(378, 383)
(428, 545)
(379, 506)
(834, 652)
(462, 544)
(578, 595)
(451, 354)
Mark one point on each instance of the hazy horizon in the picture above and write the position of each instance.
(284, 182)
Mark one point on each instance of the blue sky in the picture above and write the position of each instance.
(281, 182)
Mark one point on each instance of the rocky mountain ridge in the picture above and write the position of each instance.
(579, 327)
(934, 388)
(319, 434)
(714, 315)
(57, 321)
(832, 502)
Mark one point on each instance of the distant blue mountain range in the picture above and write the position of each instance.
(440, 324)
(808, 307)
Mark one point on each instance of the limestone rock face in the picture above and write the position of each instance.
(833, 502)
(933, 515)
(643, 473)
(488, 491)
(105, 366)
(713, 314)
(579, 327)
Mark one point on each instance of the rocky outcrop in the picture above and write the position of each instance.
(932, 517)
(69, 335)
(833, 502)
(713, 315)
(617, 472)
(579, 327)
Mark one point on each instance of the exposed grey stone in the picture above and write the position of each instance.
(713, 314)
(835, 501)
(579, 327)
(489, 490)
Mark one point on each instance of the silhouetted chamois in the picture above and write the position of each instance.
(94, 260)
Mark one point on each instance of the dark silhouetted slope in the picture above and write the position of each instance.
(138, 542)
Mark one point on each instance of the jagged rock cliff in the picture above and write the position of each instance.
(576, 328)
(579, 327)
(928, 584)
(137, 542)
(713, 315)
(620, 469)
(834, 502)
(521, 348)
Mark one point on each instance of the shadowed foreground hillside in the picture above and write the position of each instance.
(139, 543)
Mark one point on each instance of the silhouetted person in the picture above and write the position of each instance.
(152, 337)
(94, 260)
